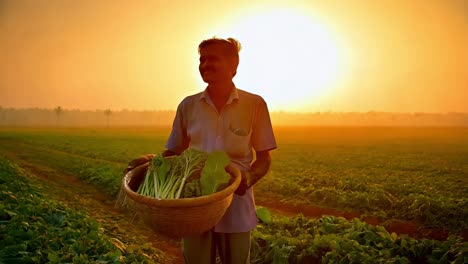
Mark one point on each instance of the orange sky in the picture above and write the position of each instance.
(399, 56)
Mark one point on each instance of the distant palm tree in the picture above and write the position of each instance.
(58, 111)
(108, 113)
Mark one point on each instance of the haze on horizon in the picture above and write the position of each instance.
(353, 56)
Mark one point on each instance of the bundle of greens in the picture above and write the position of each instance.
(193, 173)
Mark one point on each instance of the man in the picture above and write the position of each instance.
(223, 117)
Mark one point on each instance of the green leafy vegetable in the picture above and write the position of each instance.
(264, 215)
(171, 178)
(192, 161)
(192, 189)
(213, 174)
(165, 178)
(157, 183)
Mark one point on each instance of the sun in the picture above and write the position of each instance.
(287, 57)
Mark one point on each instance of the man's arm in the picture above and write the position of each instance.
(168, 153)
(259, 168)
(138, 161)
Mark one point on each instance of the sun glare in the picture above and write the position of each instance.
(287, 57)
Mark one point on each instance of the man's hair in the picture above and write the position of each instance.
(230, 46)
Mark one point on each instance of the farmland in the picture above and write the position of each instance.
(35, 228)
(393, 174)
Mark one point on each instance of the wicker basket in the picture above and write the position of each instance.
(179, 217)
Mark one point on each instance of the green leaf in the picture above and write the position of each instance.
(213, 174)
(56, 220)
(53, 257)
(264, 215)
(10, 213)
(163, 169)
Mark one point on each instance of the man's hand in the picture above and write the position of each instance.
(258, 169)
(246, 183)
(138, 161)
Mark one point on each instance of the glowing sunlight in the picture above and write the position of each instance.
(287, 57)
(299, 55)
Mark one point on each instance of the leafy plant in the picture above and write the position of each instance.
(36, 229)
(167, 178)
(158, 183)
(263, 214)
(336, 240)
(213, 175)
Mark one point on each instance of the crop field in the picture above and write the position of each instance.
(37, 229)
(418, 175)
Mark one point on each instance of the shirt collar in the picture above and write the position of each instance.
(233, 96)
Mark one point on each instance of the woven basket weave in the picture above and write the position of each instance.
(180, 217)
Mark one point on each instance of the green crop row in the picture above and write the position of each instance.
(105, 175)
(118, 145)
(336, 240)
(35, 229)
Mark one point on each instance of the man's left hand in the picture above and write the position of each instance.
(258, 169)
(246, 182)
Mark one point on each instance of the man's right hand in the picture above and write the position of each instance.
(138, 161)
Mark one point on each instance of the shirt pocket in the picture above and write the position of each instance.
(237, 141)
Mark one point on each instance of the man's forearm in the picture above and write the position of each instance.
(168, 153)
(259, 168)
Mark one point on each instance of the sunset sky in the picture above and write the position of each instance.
(360, 55)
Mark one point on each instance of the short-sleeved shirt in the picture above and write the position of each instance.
(243, 125)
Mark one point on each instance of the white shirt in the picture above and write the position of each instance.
(243, 125)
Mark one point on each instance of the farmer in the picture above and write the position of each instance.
(223, 117)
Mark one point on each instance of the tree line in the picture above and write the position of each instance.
(59, 116)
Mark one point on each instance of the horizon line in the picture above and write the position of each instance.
(271, 111)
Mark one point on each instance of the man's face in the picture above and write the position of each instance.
(215, 66)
